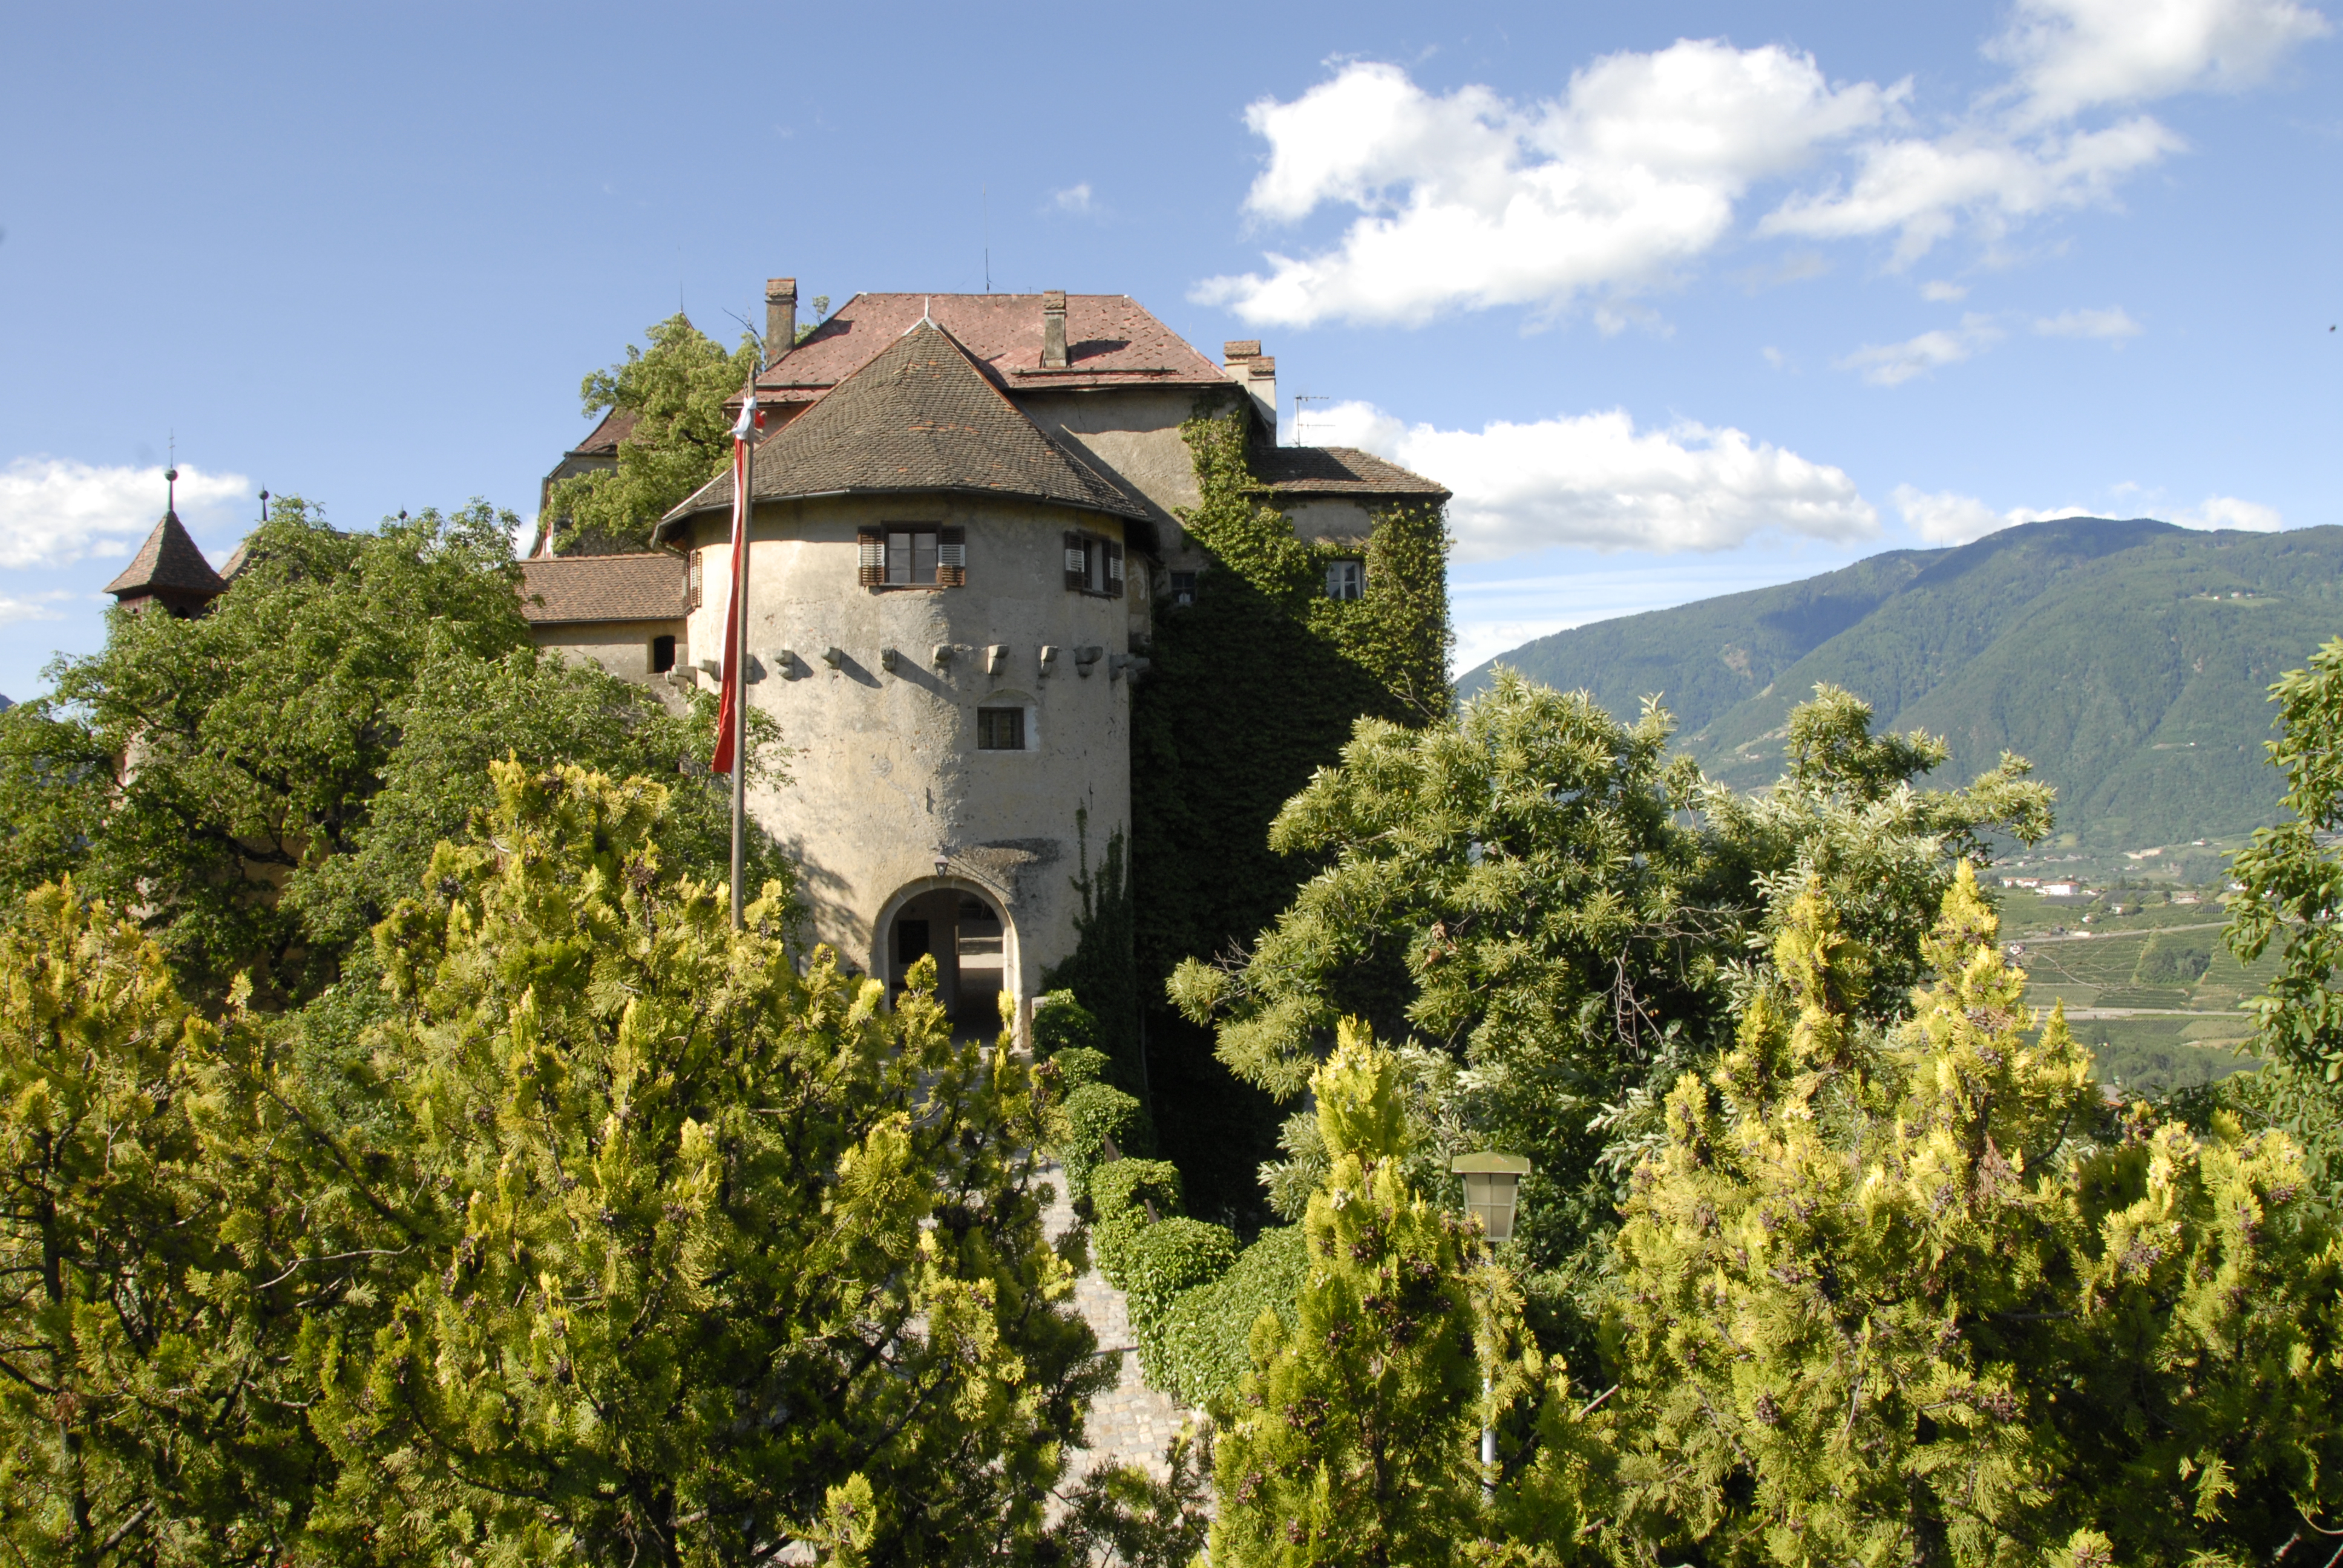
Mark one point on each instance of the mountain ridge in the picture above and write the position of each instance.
(2126, 658)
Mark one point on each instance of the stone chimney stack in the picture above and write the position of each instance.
(1053, 329)
(1256, 372)
(780, 317)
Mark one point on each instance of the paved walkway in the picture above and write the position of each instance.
(1131, 1423)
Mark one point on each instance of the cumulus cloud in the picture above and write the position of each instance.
(1594, 480)
(2229, 512)
(2113, 324)
(1467, 199)
(1892, 364)
(1073, 198)
(54, 512)
(2070, 56)
(38, 607)
(1942, 293)
(1945, 518)
(1470, 199)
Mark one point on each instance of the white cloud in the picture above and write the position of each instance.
(2076, 54)
(54, 512)
(2112, 323)
(1892, 364)
(1942, 293)
(1945, 518)
(2229, 512)
(1594, 480)
(1469, 199)
(39, 607)
(1923, 189)
(1073, 198)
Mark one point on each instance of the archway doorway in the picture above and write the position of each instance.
(963, 929)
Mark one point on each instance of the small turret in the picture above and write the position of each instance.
(169, 569)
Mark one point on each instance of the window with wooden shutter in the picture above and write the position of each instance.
(1078, 562)
(951, 558)
(1113, 569)
(695, 577)
(871, 570)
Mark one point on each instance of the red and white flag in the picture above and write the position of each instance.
(728, 709)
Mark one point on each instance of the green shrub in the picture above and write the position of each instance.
(1061, 1023)
(1091, 1114)
(1078, 1064)
(1198, 1349)
(1132, 1184)
(1114, 1240)
(1164, 1259)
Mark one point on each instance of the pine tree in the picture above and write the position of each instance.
(1353, 1439)
(1919, 1297)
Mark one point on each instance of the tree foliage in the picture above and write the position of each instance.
(1350, 1442)
(265, 781)
(692, 1246)
(1552, 913)
(1902, 1298)
(681, 436)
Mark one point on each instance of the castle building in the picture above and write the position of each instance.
(965, 522)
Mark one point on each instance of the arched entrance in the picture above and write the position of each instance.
(964, 927)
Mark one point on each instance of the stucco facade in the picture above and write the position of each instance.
(877, 690)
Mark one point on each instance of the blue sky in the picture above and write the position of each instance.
(1679, 298)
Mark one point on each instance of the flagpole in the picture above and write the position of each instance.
(738, 671)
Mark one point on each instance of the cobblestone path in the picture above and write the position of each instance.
(1129, 1422)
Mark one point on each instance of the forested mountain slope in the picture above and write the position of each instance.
(2127, 658)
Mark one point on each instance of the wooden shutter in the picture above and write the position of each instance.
(1113, 569)
(694, 578)
(1077, 562)
(870, 568)
(951, 558)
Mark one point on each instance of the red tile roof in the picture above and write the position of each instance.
(167, 562)
(1110, 341)
(602, 587)
(921, 416)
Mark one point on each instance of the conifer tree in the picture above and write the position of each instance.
(1889, 1298)
(1354, 1437)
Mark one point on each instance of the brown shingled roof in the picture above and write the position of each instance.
(918, 416)
(1302, 471)
(602, 587)
(1110, 341)
(602, 440)
(167, 562)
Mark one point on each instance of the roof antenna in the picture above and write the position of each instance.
(171, 479)
(984, 198)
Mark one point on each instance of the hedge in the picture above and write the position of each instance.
(1197, 1350)
(1132, 1184)
(1060, 1023)
(1078, 1065)
(1163, 1261)
(1093, 1114)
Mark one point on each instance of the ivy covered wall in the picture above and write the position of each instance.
(1253, 686)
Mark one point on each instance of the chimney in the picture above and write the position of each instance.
(1256, 372)
(780, 317)
(1053, 329)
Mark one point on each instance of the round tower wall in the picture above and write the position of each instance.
(887, 776)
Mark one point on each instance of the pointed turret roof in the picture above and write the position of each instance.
(921, 416)
(169, 562)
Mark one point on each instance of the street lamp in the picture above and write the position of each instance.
(1493, 1185)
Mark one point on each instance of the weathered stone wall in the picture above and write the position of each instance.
(886, 774)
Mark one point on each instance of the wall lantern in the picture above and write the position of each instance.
(1491, 1189)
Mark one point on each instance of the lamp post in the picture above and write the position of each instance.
(1492, 1186)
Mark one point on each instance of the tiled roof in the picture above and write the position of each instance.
(1303, 471)
(602, 440)
(918, 417)
(602, 587)
(168, 561)
(1110, 341)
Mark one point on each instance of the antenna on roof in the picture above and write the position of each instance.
(171, 478)
(984, 199)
